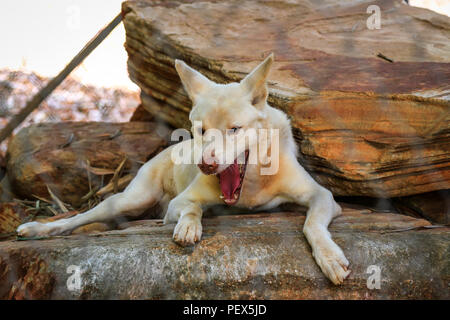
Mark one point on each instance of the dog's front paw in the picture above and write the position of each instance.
(333, 262)
(188, 230)
(35, 229)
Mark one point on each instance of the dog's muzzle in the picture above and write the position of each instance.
(208, 168)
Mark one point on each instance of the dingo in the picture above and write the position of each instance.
(185, 190)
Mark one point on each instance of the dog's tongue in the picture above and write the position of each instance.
(229, 180)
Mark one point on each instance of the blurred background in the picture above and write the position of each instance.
(39, 38)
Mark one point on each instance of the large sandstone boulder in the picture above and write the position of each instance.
(257, 256)
(369, 108)
(73, 158)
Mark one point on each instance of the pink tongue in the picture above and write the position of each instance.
(229, 180)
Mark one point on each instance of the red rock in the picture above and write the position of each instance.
(364, 125)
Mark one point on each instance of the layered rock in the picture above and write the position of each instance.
(369, 108)
(257, 256)
(72, 158)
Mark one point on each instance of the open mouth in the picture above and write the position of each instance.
(231, 180)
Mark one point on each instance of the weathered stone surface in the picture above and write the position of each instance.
(240, 257)
(365, 126)
(56, 154)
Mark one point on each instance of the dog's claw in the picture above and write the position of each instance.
(188, 231)
(333, 263)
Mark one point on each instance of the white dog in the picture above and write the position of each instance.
(186, 189)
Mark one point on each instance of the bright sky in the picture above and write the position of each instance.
(44, 35)
(440, 6)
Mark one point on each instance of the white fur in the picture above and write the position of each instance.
(186, 191)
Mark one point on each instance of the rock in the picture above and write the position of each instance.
(56, 155)
(433, 206)
(12, 215)
(5, 189)
(254, 256)
(365, 126)
(140, 114)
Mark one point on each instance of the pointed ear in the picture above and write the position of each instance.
(193, 81)
(255, 82)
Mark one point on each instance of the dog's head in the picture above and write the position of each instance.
(225, 118)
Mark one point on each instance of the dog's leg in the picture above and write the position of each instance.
(187, 208)
(328, 255)
(302, 188)
(142, 192)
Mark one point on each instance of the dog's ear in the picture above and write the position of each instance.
(255, 82)
(193, 81)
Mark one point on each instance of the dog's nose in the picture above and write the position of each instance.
(208, 168)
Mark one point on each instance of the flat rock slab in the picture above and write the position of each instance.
(58, 155)
(365, 126)
(262, 256)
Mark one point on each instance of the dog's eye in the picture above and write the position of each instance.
(233, 130)
(200, 131)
